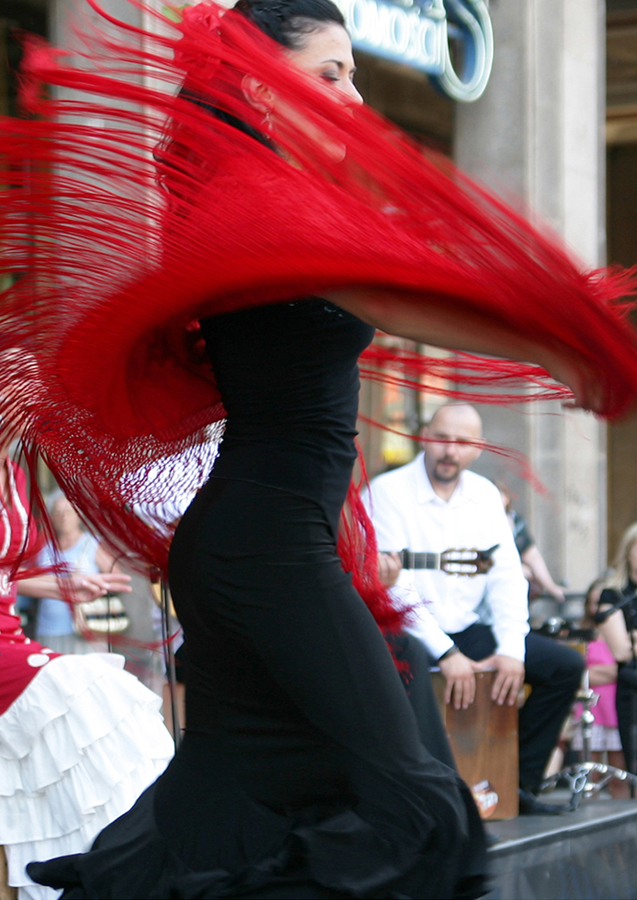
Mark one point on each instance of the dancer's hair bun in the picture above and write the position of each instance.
(289, 21)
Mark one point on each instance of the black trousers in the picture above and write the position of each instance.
(554, 672)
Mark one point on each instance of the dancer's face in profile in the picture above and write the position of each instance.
(326, 55)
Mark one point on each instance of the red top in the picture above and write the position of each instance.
(20, 658)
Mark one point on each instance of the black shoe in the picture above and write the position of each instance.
(531, 806)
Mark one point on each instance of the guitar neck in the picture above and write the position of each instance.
(412, 560)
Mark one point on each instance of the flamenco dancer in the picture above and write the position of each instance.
(290, 223)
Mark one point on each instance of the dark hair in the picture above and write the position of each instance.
(289, 21)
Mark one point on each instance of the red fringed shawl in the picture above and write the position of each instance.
(128, 210)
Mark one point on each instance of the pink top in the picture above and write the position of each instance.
(598, 654)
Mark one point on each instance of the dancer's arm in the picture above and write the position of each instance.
(428, 322)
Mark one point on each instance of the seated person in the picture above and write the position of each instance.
(57, 624)
(432, 504)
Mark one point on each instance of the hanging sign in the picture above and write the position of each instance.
(418, 33)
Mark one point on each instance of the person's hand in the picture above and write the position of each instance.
(508, 680)
(90, 587)
(557, 592)
(389, 566)
(458, 670)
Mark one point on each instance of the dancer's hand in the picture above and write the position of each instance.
(588, 391)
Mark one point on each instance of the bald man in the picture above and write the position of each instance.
(433, 504)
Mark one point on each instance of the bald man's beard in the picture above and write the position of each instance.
(446, 479)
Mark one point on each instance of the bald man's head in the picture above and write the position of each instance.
(459, 417)
(453, 443)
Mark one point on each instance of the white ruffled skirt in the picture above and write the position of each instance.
(77, 748)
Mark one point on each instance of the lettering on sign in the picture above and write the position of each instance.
(418, 33)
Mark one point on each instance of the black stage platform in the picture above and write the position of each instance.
(589, 854)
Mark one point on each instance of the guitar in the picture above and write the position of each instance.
(453, 562)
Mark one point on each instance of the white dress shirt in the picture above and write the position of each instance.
(408, 514)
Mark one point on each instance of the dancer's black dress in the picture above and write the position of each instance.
(302, 773)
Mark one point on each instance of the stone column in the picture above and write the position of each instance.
(64, 14)
(536, 137)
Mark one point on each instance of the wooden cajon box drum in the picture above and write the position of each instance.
(484, 742)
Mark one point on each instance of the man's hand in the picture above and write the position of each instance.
(389, 566)
(458, 670)
(508, 680)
